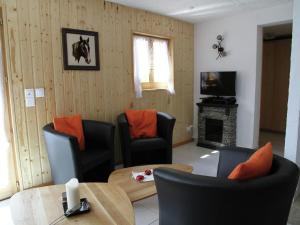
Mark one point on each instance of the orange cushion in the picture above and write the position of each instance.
(142, 123)
(259, 164)
(71, 125)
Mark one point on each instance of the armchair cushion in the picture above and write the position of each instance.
(93, 157)
(142, 123)
(259, 164)
(71, 125)
(145, 144)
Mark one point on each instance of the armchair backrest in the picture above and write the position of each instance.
(165, 125)
(98, 133)
(230, 157)
(193, 199)
(62, 153)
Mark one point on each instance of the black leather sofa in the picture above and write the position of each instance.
(147, 150)
(188, 199)
(93, 164)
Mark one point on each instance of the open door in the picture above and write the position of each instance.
(275, 85)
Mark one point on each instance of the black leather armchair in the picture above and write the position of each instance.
(93, 164)
(188, 199)
(147, 150)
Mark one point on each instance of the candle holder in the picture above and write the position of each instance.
(84, 206)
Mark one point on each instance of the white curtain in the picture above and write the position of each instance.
(147, 55)
(162, 69)
(141, 63)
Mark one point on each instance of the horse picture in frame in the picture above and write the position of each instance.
(80, 49)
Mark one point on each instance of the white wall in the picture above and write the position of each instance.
(292, 141)
(243, 42)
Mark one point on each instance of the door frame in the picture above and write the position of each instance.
(10, 126)
(259, 58)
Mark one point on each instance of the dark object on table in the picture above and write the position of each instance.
(95, 163)
(148, 172)
(194, 199)
(157, 150)
(84, 206)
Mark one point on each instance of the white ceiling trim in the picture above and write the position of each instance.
(198, 10)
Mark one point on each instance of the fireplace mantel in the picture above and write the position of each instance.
(216, 125)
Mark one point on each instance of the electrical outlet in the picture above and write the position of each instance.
(39, 92)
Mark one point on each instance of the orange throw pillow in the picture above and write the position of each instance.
(259, 164)
(71, 125)
(142, 123)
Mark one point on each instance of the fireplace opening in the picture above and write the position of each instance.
(213, 130)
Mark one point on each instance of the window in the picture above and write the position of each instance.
(152, 64)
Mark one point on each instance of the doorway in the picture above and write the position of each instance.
(275, 85)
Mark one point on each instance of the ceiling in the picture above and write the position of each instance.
(198, 10)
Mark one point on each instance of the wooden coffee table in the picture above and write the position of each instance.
(109, 205)
(140, 190)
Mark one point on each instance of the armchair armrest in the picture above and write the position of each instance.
(124, 128)
(125, 138)
(230, 157)
(63, 154)
(165, 125)
(99, 134)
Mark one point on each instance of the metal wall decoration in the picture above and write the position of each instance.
(218, 46)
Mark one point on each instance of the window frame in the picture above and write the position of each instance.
(152, 85)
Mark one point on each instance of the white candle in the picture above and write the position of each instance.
(73, 197)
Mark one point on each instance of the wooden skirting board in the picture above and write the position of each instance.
(183, 143)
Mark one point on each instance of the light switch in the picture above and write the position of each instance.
(39, 92)
(29, 93)
(29, 97)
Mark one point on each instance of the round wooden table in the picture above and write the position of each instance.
(39, 206)
(140, 190)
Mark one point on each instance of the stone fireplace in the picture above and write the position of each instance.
(216, 125)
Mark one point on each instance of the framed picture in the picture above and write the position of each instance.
(80, 49)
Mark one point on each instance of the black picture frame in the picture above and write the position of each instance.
(67, 47)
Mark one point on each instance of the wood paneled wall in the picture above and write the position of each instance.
(275, 84)
(34, 55)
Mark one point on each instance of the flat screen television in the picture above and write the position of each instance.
(218, 83)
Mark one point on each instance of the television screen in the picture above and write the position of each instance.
(218, 83)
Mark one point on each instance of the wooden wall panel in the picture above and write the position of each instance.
(16, 87)
(34, 55)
